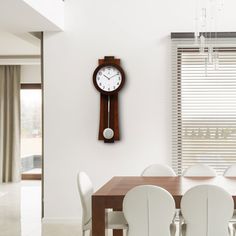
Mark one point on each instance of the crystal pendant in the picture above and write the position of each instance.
(210, 54)
(202, 44)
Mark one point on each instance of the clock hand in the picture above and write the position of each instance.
(114, 75)
(106, 77)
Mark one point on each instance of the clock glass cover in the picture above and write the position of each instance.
(108, 78)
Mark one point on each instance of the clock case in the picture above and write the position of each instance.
(114, 111)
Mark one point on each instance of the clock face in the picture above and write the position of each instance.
(108, 78)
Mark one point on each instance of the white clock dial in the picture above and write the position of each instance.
(108, 78)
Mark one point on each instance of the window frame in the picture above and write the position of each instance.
(179, 42)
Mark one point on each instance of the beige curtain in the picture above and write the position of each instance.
(9, 123)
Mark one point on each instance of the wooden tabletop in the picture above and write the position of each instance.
(111, 195)
(177, 186)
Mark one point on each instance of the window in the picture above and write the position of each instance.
(204, 104)
(31, 131)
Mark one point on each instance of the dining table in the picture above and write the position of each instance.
(112, 193)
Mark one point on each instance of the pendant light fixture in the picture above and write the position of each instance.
(207, 15)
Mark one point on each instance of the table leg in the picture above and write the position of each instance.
(117, 232)
(98, 216)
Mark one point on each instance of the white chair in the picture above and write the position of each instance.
(199, 170)
(114, 219)
(158, 170)
(149, 210)
(161, 170)
(207, 210)
(231, 171)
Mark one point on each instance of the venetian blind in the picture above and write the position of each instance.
(204, 104)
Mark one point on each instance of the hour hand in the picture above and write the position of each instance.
(106, 77)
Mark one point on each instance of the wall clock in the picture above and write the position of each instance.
(108, 79)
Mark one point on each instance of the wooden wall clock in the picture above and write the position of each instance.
(108, 79)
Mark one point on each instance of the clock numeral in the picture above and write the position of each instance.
(108, 89)
(119, 78)
(114, 87)
(100, 84)
(103, 87)
(100, 73)
(98, 78)
(118, 83)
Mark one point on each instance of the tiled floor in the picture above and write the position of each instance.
(62, 229)
(34, 171)
(20, 209)
(20, 213)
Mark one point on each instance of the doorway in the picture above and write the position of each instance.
(31, 131)
(21, 202)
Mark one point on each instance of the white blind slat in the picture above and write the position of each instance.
(203, 104)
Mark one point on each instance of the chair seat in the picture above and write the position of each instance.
(114, 220)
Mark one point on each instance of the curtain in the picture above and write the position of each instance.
(10, 124)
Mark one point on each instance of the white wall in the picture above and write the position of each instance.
(138, 33)
(31, 74)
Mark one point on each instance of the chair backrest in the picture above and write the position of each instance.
(85, 190)
(199, 170)
(207, 210)
(149, 210)
(231, 171)
(158, 170)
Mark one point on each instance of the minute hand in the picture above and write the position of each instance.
(114, 75)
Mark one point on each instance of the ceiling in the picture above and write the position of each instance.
(19, 44)
(31, 15)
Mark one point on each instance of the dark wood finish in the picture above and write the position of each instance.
(31, 176)
(30, 86)
(109, 59)
(117, 232)
(111, 195)
(114, 111)
(103, 115)
(98, 211)
(114, 116)
(190, 35)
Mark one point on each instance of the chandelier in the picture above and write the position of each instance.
(207, 16)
